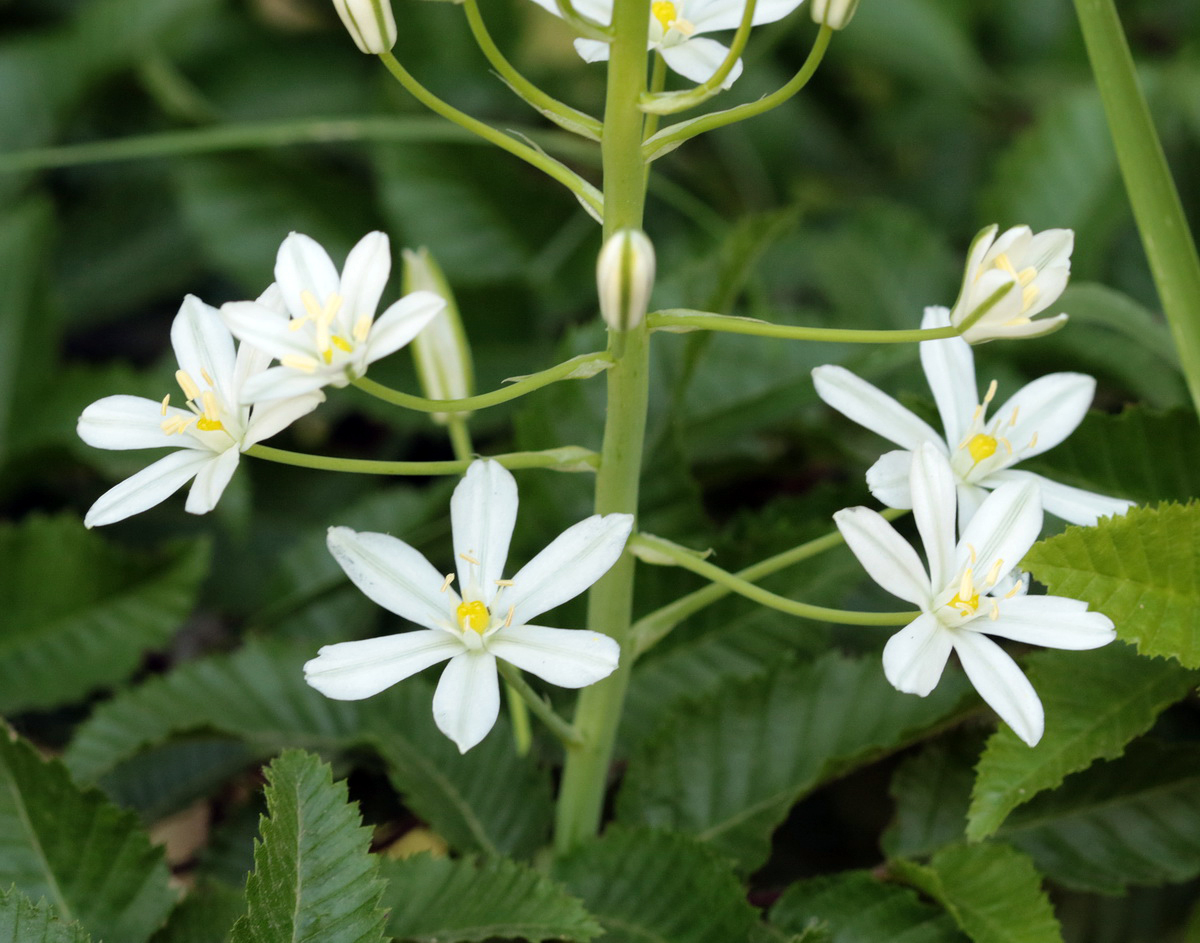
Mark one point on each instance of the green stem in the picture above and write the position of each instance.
(673, 135)
(571, 458)
(683, 319)
(460, 438)
(610, 601)
(583, 25)
(658, 80)
(1166, 238)
(554, 169)
(652, 628)
(568, 117)
(527, 696)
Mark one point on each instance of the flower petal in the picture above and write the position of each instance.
(283, 383)
(400, 323)
(152, 485)
(970, 497)
(266, 329)
(211, 481)
(251, 359)
(1050, 621)
(1073, 505)
(350, 671)
(598, 10)
(871, 408)
(364, 277)
(467, 700)
(886, 556)
(592, 50)
(1050, 408)
(711, 15)
(204, 347)
(698, 59)
(914, 658)
(302, 265)
(1003, 529)
(934, 504)
(888, 479)
(394, 575)
(949, 367)
(572, 562)
(269, 418)
(483, 512)
(1001, 684)
(129, 422)
(570, 658)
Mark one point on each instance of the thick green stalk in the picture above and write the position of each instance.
(585, 776)
(1165, 235)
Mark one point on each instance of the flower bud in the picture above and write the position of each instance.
(440, 351)
(625, 278)
(370, 22)
(1009, 280)
(835, 14)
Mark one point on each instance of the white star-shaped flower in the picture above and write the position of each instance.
(982, 450)
(208, 436)
(328, 333)
(490, 620)
(967, 595)
(675, 29)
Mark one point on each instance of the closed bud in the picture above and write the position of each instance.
(835, 14)
(370, 22)
(440, 351)
(625, 278)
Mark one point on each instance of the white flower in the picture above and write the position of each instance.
(982, 450)
(836, 14)
(371, 24)
(208, 436)
(332, 333)
(490, 620)
(963, 597)
(1011, 279)
(625, 278)
(675, 29)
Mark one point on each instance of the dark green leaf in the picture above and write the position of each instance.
(206, 915)
(932, 790)
(23, 921)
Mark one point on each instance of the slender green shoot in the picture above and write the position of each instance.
(567, 458)
(683, 320)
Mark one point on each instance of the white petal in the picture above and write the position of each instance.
(483, 512)
(129, 422)
(350, 671)
(572, 562)
(913, 658)
(400, 323)
(364, 277)
(598, 10)
(871, 408)
(934, 504)
(1001, 684)
(269, 418)
(714, 15)
(203, 346)
(570, 658)
(284, 383)
(949, 366)
(888, 479)
(884, 554)
(394, 575)
(467, 700)
(1051, 408)
(1050, 249)
(698, 59)
(302, 265)
(261, 327)
(211, 482)
(1004, 528)
(592, 50)
(970, 497)
(1050, 621)
(152, 485)
(1073, 505)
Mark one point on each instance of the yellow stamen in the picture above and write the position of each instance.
(469, 559)
(994, 572)
(311, 305)
(1027, 275)
(965, 606)
(299, 362)
(341, 344)
(327, 356)
(504, 582)
(1002, 262)
(971, 551)
(981, 446)
(1032, 442)
(1016, 589)
(207, 378)
(991, 392)
(663, 11)
(1028, 296)
(1007, 445)
(362, 327)
(446, 582)
(473, 615)
(1013, 419)
(176, 424)
(165, 403)
(995, 613)
(211, 420)
(187, 384)
(508, 618)
(966, 586)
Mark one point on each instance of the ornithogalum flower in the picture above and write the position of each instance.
(208, 436)
(675, 31)
(982, 450)
(491, 618)
(328, 333)
(967, 594)
(1010, 280)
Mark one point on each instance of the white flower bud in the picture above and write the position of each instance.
(835, 14)
(440, 351)
(370, 22)
(1009, 280)
(625, 278)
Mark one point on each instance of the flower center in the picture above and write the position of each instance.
(205, 407)
(1025, 278)
(668, 16)
(965, 607)
(322, 318)
(981, 446)
(473, 615)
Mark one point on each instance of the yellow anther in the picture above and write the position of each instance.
(469, 559)
(362, 327)
(1002, 262)
(966, 586)
(971, 551)
(1027, 275)
(327, 356)
(991, 392)
(1016, 589)
(311, 305)
(975, 415)
(981, 446)
(299, 362)
(1028, 295)
(176, 424)
(504, 582)
(508, 618)
(187, 384)
(1032, 441)
(995, 613)
(994, 572)
(296, 323)
(446, 582)
(664, 11)
(165, 403)
(473, 615)
(341, 344)
(207, 378)
(1012, 421)
(211, 420)
(1007, 445)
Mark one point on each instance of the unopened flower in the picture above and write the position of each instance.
(490, 620)
(328, 334)
(676, 28)
(625, 278)
(966, 594)
(982, 449)
(208, 435)
(836, 14)
(370, 23)
(440, 350)
(1010, 280)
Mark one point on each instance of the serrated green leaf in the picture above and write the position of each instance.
(314, 876)
(728, 769)
(993, 892)
(488, 800)
(436, 900)
(646, 885)
(1141, 570)
(932, 790)
(23, 921)
(854, 907)
(1095, 702)
(79, 612)
(206, 915)
(89, 859)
